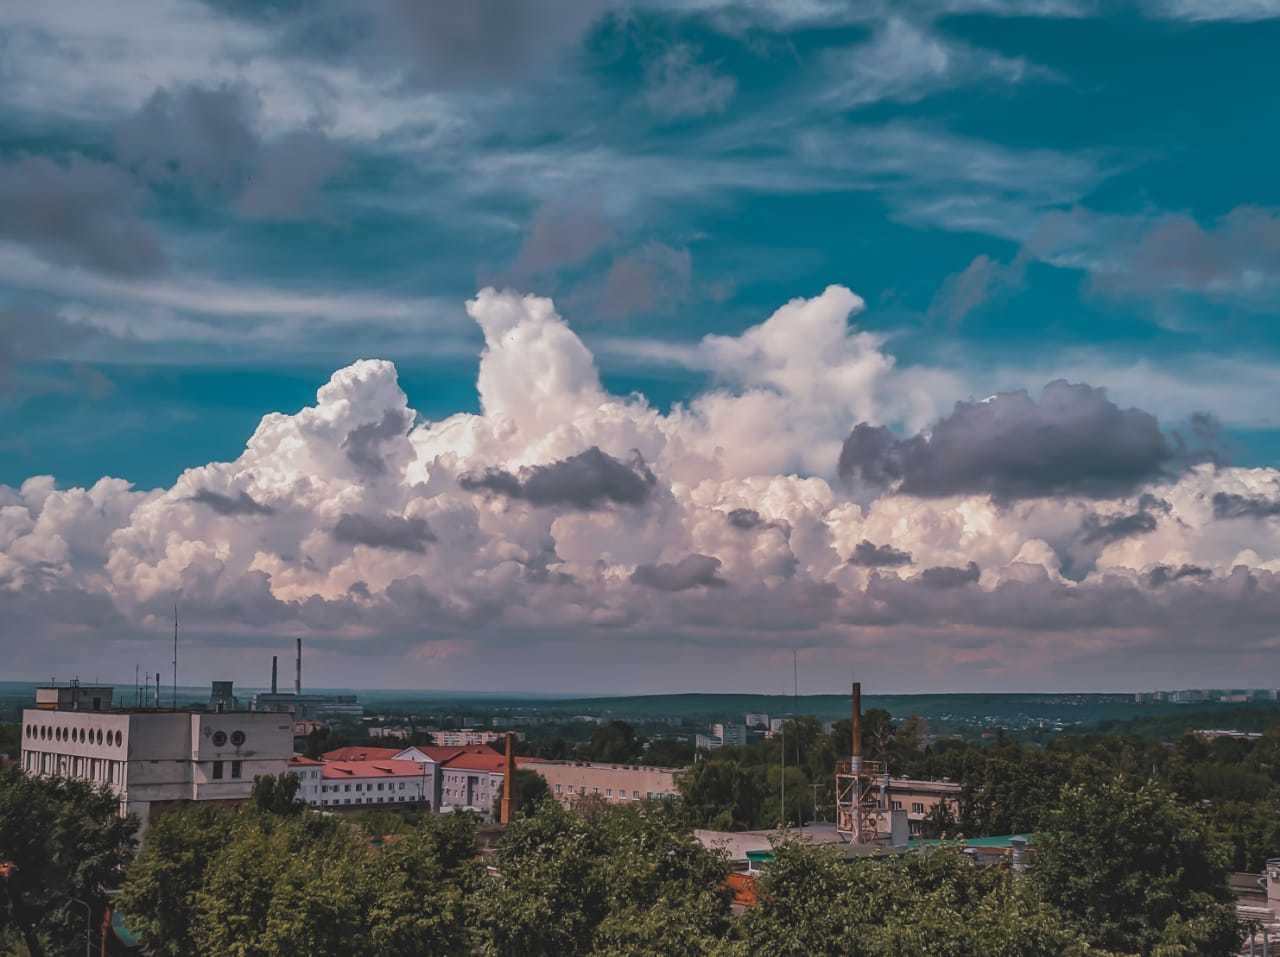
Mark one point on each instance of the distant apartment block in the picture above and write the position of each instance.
(468, 737)
(755, 720)
(729, 734)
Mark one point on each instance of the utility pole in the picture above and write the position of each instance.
(816, 816)
(783, 775)
(175, 656)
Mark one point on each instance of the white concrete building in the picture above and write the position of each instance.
(729, 734)
(471, 781)
(469, 737)
(347, 784)
(154, 758)
(756, 720)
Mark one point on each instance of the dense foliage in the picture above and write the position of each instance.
(68, 847)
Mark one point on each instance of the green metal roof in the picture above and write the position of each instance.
(1001, 840)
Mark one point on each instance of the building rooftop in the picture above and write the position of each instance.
(340, 770)
(475, 761)
(361, 753)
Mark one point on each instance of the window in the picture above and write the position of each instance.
(217, 770)
(237, 738)
(635, 794)
(219, 738)
(235, 769)
(897, 805)
(917, 807)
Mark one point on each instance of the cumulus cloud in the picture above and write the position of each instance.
(1073, 441)
(560, 513)
(78, 212)
(869, 555)
(586, 480)
(692, 571)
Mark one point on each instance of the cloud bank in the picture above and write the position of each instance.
(812, 499)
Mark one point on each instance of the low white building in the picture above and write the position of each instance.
(346, 784)
(155, 758)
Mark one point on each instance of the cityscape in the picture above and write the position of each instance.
(640, 478)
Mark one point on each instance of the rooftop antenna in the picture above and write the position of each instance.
(137, 688)
(146, 690)
(175, 656)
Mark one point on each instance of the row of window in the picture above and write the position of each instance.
(391, 786)
(218, 769)
(386, 799)
(97, 770)
(609, 792)
(44, 732)
(917, 807)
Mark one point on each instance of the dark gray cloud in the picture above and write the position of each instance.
(394, 532)
(1164, 574)
(207, 137)
(241, 503)
(286, 181)
(363, 444)
(77, 213)
(868, 555)
(744, 518)
(480, 42)
(1104, 529)
(653, 278)
(692, 571)
(1074, 441)
(561, 237)
(1231, 505)
(589, 479)
(948, 576)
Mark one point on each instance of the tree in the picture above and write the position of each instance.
(158, 896)
(614, 743)
(626, 880)
(1136, 870)
(277, 794)
(815, 902)
(531, 788)
(68, 843)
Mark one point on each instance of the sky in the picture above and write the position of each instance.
(640, 345)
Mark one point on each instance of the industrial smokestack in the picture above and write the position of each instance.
(506, 811)
(274, 663)
(297, 681)
(856, 753)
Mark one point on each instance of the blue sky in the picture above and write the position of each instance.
(208, 208)
(713, 162)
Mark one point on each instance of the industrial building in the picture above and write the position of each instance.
(304, 705)
(150, 758)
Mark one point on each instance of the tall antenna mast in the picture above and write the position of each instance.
(175, 656)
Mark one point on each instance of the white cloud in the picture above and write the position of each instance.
(348, 522)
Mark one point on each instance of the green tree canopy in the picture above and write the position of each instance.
(69, 844)
(1136, 870)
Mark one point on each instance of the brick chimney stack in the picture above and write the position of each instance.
(507, 811)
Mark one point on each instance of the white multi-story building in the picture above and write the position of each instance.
(345, 784)
(468, 737)
(729, 734)
(756, 720)
(155, 758)
(471, 781)
(569, 781)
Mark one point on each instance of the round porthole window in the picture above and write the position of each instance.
(219, 738)
(99, 736)
(237, 738)
(119, 739)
